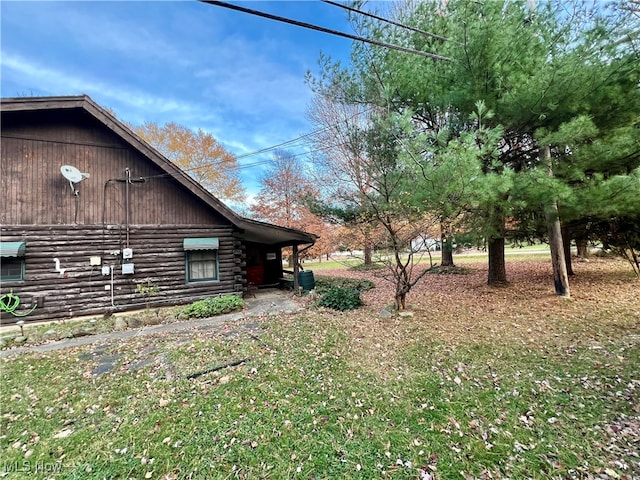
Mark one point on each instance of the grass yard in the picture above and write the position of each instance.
(478, 383)
(528, 252)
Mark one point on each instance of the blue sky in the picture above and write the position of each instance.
(235, 75)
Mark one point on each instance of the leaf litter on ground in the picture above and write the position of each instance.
(479, 383)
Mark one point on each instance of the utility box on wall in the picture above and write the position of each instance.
(127, 269)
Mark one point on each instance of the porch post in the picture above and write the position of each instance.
(296, 269)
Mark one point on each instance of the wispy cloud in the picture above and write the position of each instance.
(52, 81)
(97, 27)
(185, 62)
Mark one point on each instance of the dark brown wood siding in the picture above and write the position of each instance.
(158, 257)
(34, 192)
(152, 214)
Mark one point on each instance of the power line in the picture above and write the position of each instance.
(397, 24)
(207, 165)
(289, 143)
(261, 162)
(279, 145)
(326, 30)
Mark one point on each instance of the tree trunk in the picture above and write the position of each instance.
(497, 270)
(447, 246)
(288, 251)
(447, 254)
(566, 244)
(401, 301)
(497, 276)
(583, 248)
(368, 255)
(560, 277)
(402, 287)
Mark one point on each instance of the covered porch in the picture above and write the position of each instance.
(264, 260)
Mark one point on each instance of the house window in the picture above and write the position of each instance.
(201, 259)
(202, 266)
(12, 265)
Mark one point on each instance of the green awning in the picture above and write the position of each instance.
(200, 243)
(12, 249)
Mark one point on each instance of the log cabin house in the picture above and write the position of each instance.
(92, 218)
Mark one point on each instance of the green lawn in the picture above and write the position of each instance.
(331, 395)
(469, 256)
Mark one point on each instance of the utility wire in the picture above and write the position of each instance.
(289, 143)
(397, 24)
(254, 164)
(325, 30)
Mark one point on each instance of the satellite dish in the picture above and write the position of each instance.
(71, 173)
(74, 175)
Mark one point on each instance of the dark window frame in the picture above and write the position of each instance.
(191, 261)
(9, 267)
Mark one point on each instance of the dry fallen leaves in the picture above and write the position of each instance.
(462, 308)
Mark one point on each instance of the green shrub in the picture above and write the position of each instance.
(341, 298)
(323, 284)
(212, 306)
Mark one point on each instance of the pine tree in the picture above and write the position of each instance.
(536, 69)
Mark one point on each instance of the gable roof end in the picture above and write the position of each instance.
(251, 230)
